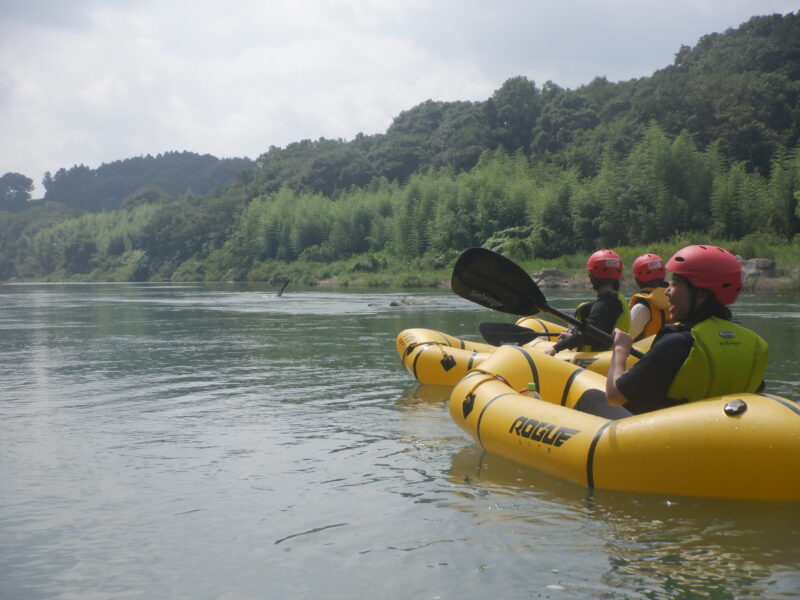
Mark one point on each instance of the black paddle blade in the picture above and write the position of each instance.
(493, 281)
(498, 334)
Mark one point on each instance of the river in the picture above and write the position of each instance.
(217, 441)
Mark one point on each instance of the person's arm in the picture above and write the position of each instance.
(640, 316)
(620, 350)
(603, 313)
(645, 385)
(552, 351)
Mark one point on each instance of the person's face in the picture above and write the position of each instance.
(680, 299)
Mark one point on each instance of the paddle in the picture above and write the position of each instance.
(493, 281)
(498, 334)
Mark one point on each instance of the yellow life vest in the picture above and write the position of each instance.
(658, 304)
(623, 322)
(725, 358)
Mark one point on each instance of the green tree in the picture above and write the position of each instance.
(727, 200)
(781, 207)
(15, 192)
(561, 120)
(516, 108)
(553, 235)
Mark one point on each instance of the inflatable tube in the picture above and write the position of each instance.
(538, 324)
(736, 446)
(599, 362)
(437, 358)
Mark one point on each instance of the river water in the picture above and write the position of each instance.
(217, 441)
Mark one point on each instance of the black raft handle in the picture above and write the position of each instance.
(735, 407)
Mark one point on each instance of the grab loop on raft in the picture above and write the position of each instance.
(735, 407)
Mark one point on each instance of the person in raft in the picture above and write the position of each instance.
(703, 354)
(608, 311)
(649, 306)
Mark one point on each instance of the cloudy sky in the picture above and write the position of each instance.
(93, 81)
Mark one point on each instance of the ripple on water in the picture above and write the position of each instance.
(216, 441)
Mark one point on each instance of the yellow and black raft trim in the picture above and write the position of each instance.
(437, 358)
(735, 446)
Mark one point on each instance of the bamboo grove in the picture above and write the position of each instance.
(662, 189)
(705, 149)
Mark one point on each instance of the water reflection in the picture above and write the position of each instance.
(658, 547)
(194, 441)
(424, 394)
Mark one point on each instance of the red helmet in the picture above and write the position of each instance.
(649, 267)
(709, 268)
(605, 264)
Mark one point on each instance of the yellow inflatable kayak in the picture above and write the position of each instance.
(736, 446)
(438, 358)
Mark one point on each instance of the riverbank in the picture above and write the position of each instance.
(751, 284)
(768, 266)
(777, 268)
(578, 281)
(440, 279)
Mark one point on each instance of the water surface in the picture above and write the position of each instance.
(218, 441)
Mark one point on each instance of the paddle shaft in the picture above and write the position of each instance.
(492, 280)
(598, 334)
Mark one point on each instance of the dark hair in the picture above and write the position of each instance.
(653, 283)
(598, 283)
(710, 308)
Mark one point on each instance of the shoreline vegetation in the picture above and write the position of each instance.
(767, 268)
(703, 151)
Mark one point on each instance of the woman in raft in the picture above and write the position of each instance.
(607, 311)
(649, 306)
(703, 354)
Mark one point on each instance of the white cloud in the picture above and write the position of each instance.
(91, 82)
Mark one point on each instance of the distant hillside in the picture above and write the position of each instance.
(171, 174)
(704, 149)
(740, 89)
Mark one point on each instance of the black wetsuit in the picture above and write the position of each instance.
(646, 383)
(603, 314)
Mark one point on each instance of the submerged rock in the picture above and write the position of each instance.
(550, 278)
(414, 301)
(757, 267)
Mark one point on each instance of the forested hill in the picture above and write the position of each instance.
(171, 173)
(739, 88)
(707, 145)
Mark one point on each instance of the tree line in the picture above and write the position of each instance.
(663, 188)
(706, 145)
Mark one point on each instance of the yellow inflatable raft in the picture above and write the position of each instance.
(735, 446)
(437, 358)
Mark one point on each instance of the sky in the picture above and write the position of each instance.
(94, 81)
